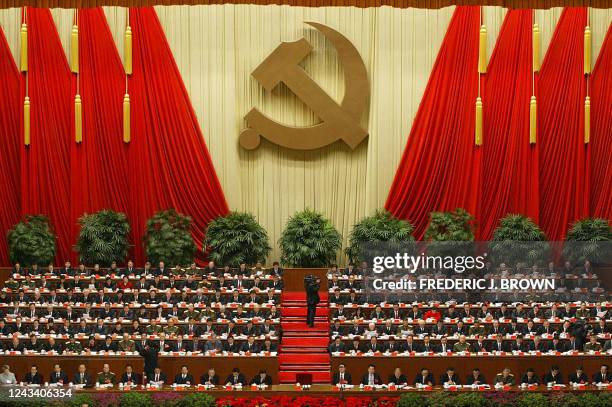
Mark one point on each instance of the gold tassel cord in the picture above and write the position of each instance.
(587, 120)
(23, 62)
(533, 127)
(478, 134)
(536, 47)
(128, 50)
(482, 50)
(74, 49)
(78, 119)
(126, 119)
(26, 121)
(587, 50)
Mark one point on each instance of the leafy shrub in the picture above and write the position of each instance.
(196, 400)
(412, 400)
(450, 233)
(103, 238)
(309, 240)
(134, 399)
(168, 238)
(589, 239)
(236, 238)
(32, 241)
(519, 239)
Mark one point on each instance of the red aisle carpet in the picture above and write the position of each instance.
(303, 349)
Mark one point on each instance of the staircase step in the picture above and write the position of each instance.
(317, 377)
(303, 350)
(299, 342)
(302, 367)
(291, 312)
(311, 359)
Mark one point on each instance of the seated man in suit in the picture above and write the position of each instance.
(603, 376)
(82, 377)
(130, 377)
(578, 376)
(211, 378)
(262, 378)
(553, 376)
(184, 377)
(336, 345)
(157, 377)
(371, 378)
(424, 377)
(398, 378)
(530, 377)
(58, 376)
(342, 376)
(33, 377)
(236, 378)
(476, 378)
(450, 378)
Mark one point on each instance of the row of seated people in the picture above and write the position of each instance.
(125, 343)
(565, 329)
(130, 377)
(265, 327)
(358, 346)
(137, 287)
(485, 311)
(148, 270)
(450, 378)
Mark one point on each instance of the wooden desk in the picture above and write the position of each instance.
(489, 365)
(171, 365)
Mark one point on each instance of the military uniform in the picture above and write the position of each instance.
(126, 346)
(594, 347)
(461, 347)
(74, 347)
(153, 329)
(28, 285)
(477, 330)
(106, 378)
(193, 314)
(12, 284)
(171, 330)
(583, 313)
(208, 314)
(505, 380)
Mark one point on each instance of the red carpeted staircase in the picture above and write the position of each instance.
(303, 349)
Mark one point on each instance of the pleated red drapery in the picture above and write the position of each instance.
(601, 132)
(9, 144)
(440, 167)
(45, 164)
(510, 163)
(169, 165)
(564, 180)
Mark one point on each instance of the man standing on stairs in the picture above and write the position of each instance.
(312, 284)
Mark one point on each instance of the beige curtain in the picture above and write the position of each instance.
(216, 48)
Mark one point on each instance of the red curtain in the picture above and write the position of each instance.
(564, 181)
(601, 132)
(440, 167)
(170, 166)
(510, 163)
(9, 144)
(45, 164)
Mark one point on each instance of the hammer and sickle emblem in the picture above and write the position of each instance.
(338, 121)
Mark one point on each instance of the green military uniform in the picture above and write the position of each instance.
(505, 380)
(28, 284)
(192, 314)
(204, 283)
(583, 313)
(208, 314)
(126, 346)
(594, 347)
(74, 347)
(171, 330)
(12, 284)
(153, 329)
(178, 271)
(461, 347)
(106, 378)
(477, 330)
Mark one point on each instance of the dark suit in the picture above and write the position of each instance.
(480, 380)
(444, 379)
(236, 379)
(599, 378)
(33, 379)
(85, 379)
(205, 378)
(312, 299)
(549, 378)
(348, 379)
(574, 378)
(257, 380)
(424, 380)
(179, 379)
(162, 377)
(60, 377)
(398, 380)
(134, 378)
(366, 378)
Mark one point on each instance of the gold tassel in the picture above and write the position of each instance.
(126, 119)
(536, 47)
(482, 50)
(23, 63)
(478, 121)
(78, 119)
(587, 120)
(533, 124)
(128, 50)
(587, 50)
(74, 49)
(26, 121)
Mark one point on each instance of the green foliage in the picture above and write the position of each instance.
(309, 240)
(168, 238)
(532, 400)
(470, 400)
(32, 241)
(375, 229)
(196, 400)
(134, 399)
(412, 400)
(518, 239)
(103, 238)
(450, 233)
(589, 239)
(81, 399)
(237, 238)
(596, 400)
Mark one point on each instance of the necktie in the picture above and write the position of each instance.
(341, 377)
(81, 380)
(157, 378)
(371, 379)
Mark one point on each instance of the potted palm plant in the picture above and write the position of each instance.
(103, 238)
(32, 241)
(168, 238)
(518, 239)
(589, 239)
